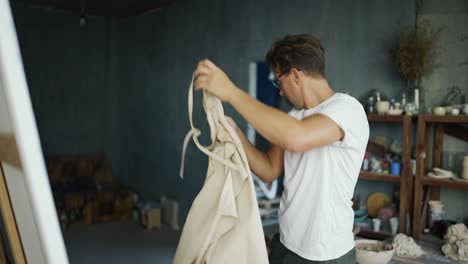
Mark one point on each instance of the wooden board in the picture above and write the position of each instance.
(8, 150)
(10, 222)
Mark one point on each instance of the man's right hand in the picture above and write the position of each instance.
(210, 77)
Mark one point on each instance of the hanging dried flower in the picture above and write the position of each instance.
(416, 51)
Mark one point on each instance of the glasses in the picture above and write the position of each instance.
(276, 82)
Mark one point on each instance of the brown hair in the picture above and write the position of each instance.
(303, 51)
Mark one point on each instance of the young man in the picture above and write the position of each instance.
(320, 145)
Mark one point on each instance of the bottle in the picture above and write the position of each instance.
(416, 100)
(377, 96)
(392, 104)
(403, 100)
(371, 105)
(365, 162)
(386, 167)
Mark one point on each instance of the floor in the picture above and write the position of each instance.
(120, 243)
(128, 242)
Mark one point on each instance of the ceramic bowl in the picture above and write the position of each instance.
(434, 204)
(382, 107)
(373, 252)
(395, 111)
(439, 110)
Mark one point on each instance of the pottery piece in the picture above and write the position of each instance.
(395, 111)
(373, 252)
(382, 107)
(438, 110)
(455, 111)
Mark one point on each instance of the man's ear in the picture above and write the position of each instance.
(297, 76)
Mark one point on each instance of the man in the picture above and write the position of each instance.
(320, 145)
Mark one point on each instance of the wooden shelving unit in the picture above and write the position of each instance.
(372, 176)
(424, 187)
(406, 178)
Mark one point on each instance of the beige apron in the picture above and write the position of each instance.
(223, 225)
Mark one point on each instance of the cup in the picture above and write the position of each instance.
(410, 108)
(394, 225)
(455, 111)
(376, 224)
(395, 168)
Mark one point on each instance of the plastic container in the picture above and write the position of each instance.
(395, 168)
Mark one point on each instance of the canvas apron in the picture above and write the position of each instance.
(223, 225)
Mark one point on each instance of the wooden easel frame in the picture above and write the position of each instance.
(9, 154)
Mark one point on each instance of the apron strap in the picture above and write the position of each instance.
(194, 133)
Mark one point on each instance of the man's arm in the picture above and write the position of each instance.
(276, 126)
(267, 166)
(281, 129)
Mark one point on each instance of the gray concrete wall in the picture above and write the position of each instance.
(72, 74)
(451, 17)
(159, 53)
(121, 86)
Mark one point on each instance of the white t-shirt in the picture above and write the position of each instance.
(315, 214)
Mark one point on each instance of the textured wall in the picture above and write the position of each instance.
(72, 73)
(451, 17)
(121, 86)
(159, 53)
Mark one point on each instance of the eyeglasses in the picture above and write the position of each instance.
(276, 82)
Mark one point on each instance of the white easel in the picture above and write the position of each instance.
(28, 185)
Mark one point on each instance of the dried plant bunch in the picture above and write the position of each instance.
(416, 51)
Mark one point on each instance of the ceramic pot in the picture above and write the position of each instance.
(366, 255)
(382, 107)
(438, 110)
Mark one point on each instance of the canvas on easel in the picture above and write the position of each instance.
(26, 200)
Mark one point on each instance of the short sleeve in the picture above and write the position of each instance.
(350, 116)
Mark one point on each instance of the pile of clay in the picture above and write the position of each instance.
(405, 246)
(456, 247)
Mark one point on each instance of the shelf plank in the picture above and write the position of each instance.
(448, 183)
(385, 118)
(446, 119)
(373, 235)
(373, 176)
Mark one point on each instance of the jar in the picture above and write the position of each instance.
(371, 105)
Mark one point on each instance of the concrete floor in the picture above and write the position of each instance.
(128, 242)
(120, 243)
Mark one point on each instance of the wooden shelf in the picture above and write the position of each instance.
(386, 118)
(448, 183)
(373, 176)
(405, 180)
(373, 235)
(446, 119)
(426, 188)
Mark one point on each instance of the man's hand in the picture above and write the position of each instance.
(208, 76)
